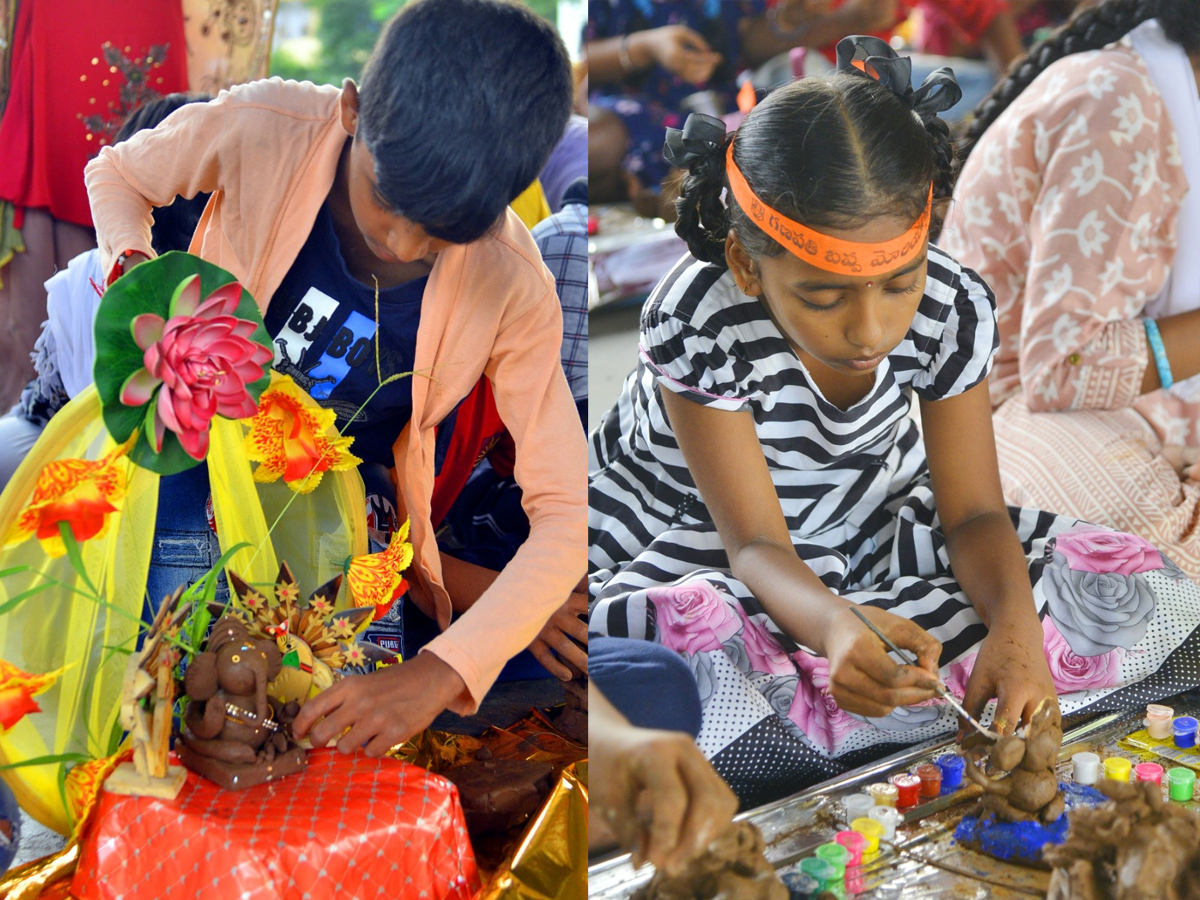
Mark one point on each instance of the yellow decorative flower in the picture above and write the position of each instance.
(292, 436)
(79, 492)
(287, 592)
(376, 580)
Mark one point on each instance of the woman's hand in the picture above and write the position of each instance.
(382, 709)
(679, 50)
(1011, 666)
(863, 679)
(653, 790)
(555, 646)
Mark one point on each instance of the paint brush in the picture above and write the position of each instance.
(942, 690)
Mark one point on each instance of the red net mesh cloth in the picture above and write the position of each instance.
(348, 826)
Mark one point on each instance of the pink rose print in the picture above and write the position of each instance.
(763, 651)
(693, 617)
(958, 673)
(1109, 552)
(1072, 672)
(813, 708)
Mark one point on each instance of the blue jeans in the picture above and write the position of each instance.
(649, 685)
(185, 547)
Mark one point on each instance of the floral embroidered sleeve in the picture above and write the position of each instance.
(1067, 207)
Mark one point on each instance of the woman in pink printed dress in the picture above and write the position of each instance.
(1080, 205)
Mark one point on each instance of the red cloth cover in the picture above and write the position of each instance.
(348, 826)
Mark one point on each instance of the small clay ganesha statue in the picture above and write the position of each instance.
(1024, 785)
(234, 733)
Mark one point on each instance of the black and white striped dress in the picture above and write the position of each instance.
(854, 490)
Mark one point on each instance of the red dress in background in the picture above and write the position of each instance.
(78, 69)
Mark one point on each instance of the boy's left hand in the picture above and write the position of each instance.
(382, 709)
(1011, 666)
(556, 638)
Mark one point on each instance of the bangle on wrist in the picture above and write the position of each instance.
(1159, 352)
(777, 28)
(623, 56)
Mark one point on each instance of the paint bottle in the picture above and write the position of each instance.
(857, 806)
(1181, 783)
(1085, 768)
(952, 766)
(885, 794)
(1185, 732)
(872, 831)
(908, 790)
(1117, 768)
(854, 843)
(1148, 771)
(888, 818)
(1158, 721)
(800, 885)
(836, 855)
(821, 870)
(931, 780)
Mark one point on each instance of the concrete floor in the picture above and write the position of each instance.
(612, 355)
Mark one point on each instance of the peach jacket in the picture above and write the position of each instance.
(268, 151)
(1068, 208)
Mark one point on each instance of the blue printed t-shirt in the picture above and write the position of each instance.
(322, 320)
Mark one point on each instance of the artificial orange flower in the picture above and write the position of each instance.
(80, 492)
(290, 437)
(375, 579)
(16, 692)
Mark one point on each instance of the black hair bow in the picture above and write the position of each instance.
(875, 58)
(701, 136)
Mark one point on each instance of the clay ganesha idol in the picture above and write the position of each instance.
(235, 734)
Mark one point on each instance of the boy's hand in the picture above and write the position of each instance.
(1011, 666)
(556, 638)
(863, 679)
(382, 709)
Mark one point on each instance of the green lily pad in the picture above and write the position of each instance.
(149, 288)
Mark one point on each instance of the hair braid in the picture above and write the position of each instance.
(1091, 28)
(703, 220)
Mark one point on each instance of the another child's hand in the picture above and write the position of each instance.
(657, 794)
(555, 646)
(1011, 666)
(682, 51)
(382, 709)
(863, 679)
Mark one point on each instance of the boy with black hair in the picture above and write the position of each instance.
(319, 196)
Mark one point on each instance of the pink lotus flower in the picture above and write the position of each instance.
(196, 365)
(692, 617)
(1072, 672)
(813, 708)
(1109, 552)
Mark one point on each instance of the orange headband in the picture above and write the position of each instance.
(820, 250)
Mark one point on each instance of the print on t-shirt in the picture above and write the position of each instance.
(323, 322)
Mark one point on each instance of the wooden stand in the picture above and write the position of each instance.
(147, 705)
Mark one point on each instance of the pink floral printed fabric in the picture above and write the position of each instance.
(1067, 208)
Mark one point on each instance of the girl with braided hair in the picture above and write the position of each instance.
(1079, 203)
(761, 484)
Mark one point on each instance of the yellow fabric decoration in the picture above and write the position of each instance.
(51, 622)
